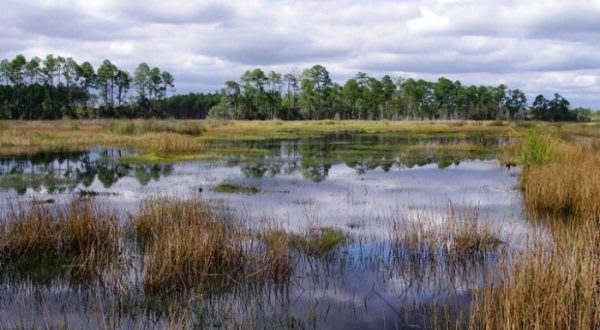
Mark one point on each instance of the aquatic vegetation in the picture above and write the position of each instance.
(235, 188)
(187, 246)
(459, 232)
(315, 242)
(318, 241)
(80, 236)
(198, 263)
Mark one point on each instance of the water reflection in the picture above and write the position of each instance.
(63, 172)
(354, 183)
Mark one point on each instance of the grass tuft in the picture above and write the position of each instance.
(187, 246)
(81, 236)
(318, 242)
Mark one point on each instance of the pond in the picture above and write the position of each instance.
(358, 184)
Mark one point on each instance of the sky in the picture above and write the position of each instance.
(539, 46)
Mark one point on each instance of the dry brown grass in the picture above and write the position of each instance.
(81, 235)
(188, 246)
(545, 287)
(553, 282)
(566, 188)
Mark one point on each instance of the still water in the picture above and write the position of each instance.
(355, 183)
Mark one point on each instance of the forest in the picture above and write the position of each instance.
(56, 87)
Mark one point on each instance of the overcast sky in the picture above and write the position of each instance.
(538, 46)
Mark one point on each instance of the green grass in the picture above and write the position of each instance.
(137, 127)
(235, 189)
(538, 149)
(318, 242)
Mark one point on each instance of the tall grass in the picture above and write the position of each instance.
(80, 235)
(545, 287)
(551, 283)
(140, 127)
(560, 180)
(538, 149)
(188, 246)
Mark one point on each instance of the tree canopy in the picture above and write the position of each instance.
(313, 95)
(58, 87)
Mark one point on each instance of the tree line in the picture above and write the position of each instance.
(57, 87)
(313, 95)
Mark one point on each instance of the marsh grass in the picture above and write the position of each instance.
(457, 232)
(314, 242)
(80, 238)
(187, 246)
(545, 286)
(538, 149)
(140, 127)
(175, 143)
(551, 283)
(318, 241)
(560, 180)
(568, 188)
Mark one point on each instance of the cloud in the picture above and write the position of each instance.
(542, 46)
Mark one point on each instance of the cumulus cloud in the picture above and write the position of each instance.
(542, 46)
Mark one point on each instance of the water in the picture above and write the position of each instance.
(355, 183)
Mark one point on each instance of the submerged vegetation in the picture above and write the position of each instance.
(235, 188)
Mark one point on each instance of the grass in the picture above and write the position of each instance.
(177, 136)
(457, 232)
(560, 179)
(315, 242)
(318, 241)
(544, 287)
(538, 149)
(235, 189)
(80, 236)
(187, 246)
(140, 127)
(566, 188)
(551, 283)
